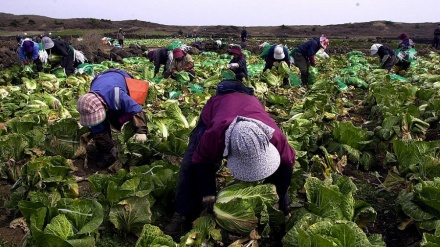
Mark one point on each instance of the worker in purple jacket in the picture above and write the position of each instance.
(28, 53)
(253, 144)
(304, 56)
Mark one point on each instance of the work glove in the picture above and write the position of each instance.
(276, 64)
(234, 65)
(141, 138)
(313, 64)
(26, 62)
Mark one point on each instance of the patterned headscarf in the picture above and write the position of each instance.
(250, 154)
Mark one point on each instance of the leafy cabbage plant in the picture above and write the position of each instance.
(69, 222)
(312, 230)
(352, 141)
(432, 239)
(418, 158)
(240, 208)
(152, 236)
(333, 217)
(422, 204)
(204, 232)
(333, 198)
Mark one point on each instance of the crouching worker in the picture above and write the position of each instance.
(238, 63)
(109, 104)
(253, 144)
(304, 56)
(182, 61)
(275, 55)
(159, 57)
(387, 56)
(28, 54)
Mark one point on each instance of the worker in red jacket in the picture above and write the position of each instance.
(253, 144)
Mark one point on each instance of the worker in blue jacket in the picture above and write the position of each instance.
(304, 56)
(108, 104)
(28, 54)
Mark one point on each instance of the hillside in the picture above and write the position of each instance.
(10, 25)
(344, 37)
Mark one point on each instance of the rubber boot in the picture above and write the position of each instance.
(104, 159)
(177, 226)
(104, 145)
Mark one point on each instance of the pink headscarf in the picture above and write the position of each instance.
(324, 41)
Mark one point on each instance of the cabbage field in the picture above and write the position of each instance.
(366, 174)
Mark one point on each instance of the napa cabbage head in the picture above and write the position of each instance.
(240, 207)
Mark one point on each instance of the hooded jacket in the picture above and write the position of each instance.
(111, 86)
(218, 114)
(22, 54)
(270, 59)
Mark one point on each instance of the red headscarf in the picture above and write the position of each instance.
(235, 50)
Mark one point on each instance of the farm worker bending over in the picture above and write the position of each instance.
(159, 57)
(238, 63)
(253, 144)
(28, 53)
(404, 60)
(109, 104)
(182, 62)
(387, 56)
(275, 55)
(60, 48)
(304, 56)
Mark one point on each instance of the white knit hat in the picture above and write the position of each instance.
(250, 154)
(374, 48)
(278, 52)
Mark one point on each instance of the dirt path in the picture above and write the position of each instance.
(13, 236)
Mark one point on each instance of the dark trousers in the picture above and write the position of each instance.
(67, 62)
(435, 43)
(195, 180)
(281, 179)
(303, 65)
(239, 76)
(403, 65)
(101, 133)
(389, 63)
(121, 42)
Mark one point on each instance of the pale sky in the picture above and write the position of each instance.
(232, 12)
